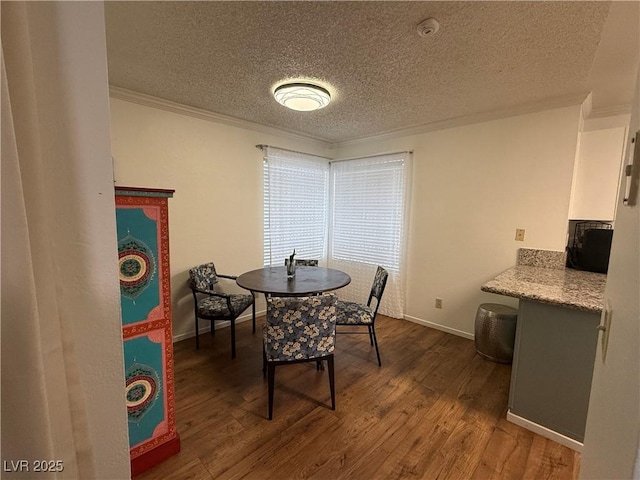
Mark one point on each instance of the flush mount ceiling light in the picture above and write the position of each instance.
(303, 97)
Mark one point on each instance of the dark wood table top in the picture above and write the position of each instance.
(307, 280)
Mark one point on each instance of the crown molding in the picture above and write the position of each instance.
(549, 104)
(201, 114)
(587, 107)
(609, 111)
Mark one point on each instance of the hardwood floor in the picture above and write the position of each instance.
(434, 410)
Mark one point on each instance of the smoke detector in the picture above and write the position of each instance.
(428, 27)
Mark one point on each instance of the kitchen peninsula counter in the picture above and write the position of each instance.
(563, 287)
(555, 345)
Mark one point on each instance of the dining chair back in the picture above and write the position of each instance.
(352, 314)
(214, 305)
(299, 329)
(301, 262)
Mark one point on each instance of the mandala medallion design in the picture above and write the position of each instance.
(137, 266)
(142, 390)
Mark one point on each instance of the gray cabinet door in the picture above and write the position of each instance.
(553, 365)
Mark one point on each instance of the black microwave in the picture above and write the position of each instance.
(593, 253)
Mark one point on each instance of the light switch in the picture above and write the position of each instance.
(520, 234)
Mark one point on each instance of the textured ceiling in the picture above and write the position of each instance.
(226, 58)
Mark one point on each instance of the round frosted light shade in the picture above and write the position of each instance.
(303, 97)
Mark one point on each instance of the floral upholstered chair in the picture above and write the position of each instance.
(299, 329)
(356, 315)
(304, 263)
(213, 305)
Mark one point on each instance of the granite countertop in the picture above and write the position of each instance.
(563, 287)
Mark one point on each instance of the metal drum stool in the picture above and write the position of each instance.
(495, 332)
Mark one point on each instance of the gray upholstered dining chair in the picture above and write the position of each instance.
(352, 314)
(213, 305)
(299, 329)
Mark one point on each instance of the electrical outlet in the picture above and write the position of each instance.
(520, 234)
(438, 303)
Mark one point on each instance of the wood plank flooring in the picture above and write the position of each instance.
(435, 410)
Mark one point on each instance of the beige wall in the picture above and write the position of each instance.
(472, 187)
(216, 171)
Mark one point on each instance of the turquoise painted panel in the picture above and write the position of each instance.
(144, 374)
(138, 257)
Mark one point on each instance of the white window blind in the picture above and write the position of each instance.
(368, 210)
(368, 224)
(296, 195)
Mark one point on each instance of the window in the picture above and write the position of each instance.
(296, 195)
(367, 216)
(368, 204)
(359, 225)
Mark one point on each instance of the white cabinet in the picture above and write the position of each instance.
(597, 174)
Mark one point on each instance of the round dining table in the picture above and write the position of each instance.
(273, 281)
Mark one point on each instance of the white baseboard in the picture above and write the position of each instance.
(244, 318)
(218, 326)
(545, 432)
(437, 326)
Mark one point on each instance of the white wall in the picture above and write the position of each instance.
(613, 421)
(216, 171)
(472, 187)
